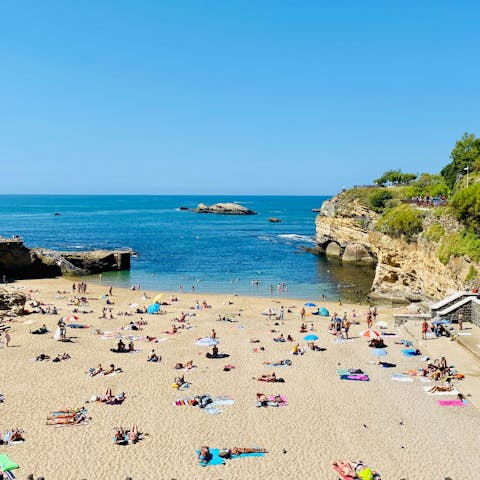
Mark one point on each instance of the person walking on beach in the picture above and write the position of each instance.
(424, 329)
(282, 312)
(302, 314)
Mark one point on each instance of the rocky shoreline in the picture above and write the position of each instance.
(19, 262)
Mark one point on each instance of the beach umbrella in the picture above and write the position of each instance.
(153, 308)
(324, 312)
(382, 324)
(70, 318)
(207, 342)
(269, 311)
(379, 352)
(158, 298)
(310, 304)
(369, 333)
(310, 338)
(441, 322)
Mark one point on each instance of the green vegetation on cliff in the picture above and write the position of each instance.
(402, 204)
(457, 244)
(401, 220)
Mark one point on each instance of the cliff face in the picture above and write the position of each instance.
(405, 271)
(18, 261)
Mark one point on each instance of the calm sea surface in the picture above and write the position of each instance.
(214, 253)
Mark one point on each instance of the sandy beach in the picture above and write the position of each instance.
(395, 427)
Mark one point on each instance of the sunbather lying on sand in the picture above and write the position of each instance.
(189, 365)
(41, 357)
(350, 470)
(80, 417)
(126, 437)
(60, 357)
(264, 401)
(278, 363)
(109, 398)
(229, 452)
(439, 388)
(96, 371)
(270, 378)
(40, 331)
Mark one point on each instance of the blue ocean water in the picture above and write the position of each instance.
(213, 253)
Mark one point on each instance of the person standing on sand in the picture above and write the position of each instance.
(424, 329)
(302, 314)
(110, 291)
(460, 321)
(7, 339)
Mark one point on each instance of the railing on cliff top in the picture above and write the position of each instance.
(426, 203)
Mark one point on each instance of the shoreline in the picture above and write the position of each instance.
(324, 420)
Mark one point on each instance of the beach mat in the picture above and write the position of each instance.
(452, 403)
(355, 377)
(216, 459)
(6, 464)
(283, 403)
(402, 377)
(410, 352)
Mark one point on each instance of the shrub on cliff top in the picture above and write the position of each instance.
(379, 199)
(466, 206)
(401, 220)
(458, 244)
(435, 232)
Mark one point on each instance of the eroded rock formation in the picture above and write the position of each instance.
(405, 271)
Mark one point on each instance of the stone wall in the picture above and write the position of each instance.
(475, 318)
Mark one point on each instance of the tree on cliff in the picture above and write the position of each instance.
(466, 206)
(466, 153)
(395, 177)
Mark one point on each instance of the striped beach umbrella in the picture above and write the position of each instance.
(369, 333)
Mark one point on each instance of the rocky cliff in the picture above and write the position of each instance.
(18, 261)
(405, 271)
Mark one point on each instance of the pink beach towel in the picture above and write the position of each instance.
(452, 403)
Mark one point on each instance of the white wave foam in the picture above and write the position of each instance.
(297, 238)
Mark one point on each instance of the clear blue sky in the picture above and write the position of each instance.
(252, 97)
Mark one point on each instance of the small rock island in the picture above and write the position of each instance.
(224, 209)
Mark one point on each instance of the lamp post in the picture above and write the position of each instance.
(467, 170)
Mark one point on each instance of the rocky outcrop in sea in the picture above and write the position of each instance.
(224, 209)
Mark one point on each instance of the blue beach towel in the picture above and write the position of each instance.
(410, 352)
(216, 459)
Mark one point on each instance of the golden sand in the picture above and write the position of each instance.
(394, 427)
